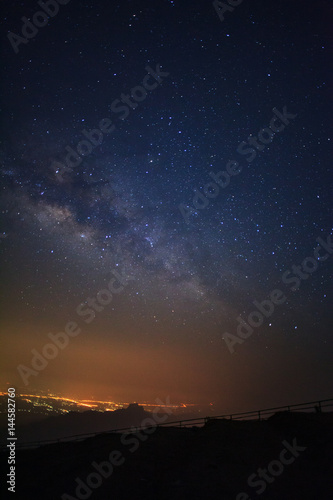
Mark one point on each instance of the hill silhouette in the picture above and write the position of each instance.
(197, 463)
(73, 423)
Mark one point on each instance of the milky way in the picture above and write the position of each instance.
(120, 207)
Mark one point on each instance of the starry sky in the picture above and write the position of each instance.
(133, 202)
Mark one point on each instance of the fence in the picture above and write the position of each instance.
(317, 406)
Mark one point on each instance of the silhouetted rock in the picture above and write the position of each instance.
(74, 423)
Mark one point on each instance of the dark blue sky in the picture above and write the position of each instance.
(121, 205)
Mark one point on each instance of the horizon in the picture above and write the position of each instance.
(177, 408)
(93, 403)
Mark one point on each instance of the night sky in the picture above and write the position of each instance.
(133, 202)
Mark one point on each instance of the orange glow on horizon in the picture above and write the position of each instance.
(91, 403)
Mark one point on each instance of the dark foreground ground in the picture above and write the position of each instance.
(212, 462)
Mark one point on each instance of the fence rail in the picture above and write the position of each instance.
(317, 406)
